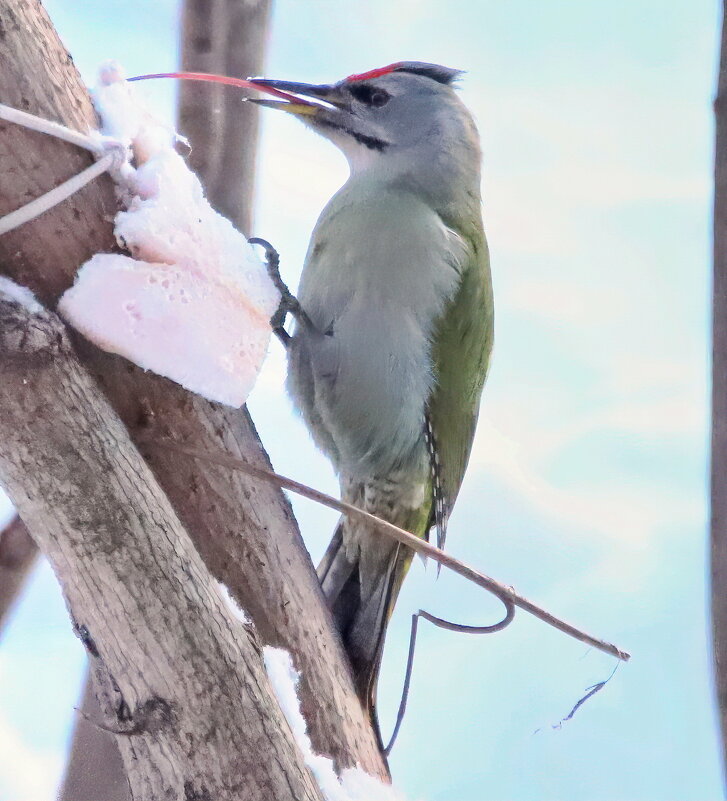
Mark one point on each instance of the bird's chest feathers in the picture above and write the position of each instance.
(377, 279)
(386, 259)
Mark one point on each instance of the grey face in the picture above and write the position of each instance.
(391, 109)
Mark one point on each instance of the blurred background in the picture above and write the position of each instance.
(587, 485)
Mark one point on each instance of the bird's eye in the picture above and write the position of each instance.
(379, 98)
(370, 95)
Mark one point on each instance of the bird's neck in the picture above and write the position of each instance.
(448, 184)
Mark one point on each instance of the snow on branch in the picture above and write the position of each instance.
(354, 784)
(20, 294)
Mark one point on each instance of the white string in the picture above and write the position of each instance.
(51, 128)
(45, 202)
(50, 199)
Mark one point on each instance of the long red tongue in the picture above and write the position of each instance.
(210, 78)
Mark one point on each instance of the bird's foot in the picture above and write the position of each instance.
(288, 302)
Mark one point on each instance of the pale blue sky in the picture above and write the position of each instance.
(587, 486)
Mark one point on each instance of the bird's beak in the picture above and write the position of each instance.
(306, 100)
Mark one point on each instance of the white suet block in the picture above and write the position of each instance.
(193, 302)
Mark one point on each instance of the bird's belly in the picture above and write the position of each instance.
(362, 388)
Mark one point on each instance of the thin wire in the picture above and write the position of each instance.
(50, 199)
(55, 196)
(421, 546)
(590, 692)
(449, 626)
(34, 123)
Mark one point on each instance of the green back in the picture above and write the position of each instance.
(461, 355)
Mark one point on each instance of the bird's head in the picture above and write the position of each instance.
(408, 110)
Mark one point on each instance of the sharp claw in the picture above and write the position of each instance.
(288, 302)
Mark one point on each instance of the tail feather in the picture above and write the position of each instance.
(361, 594)
(339, 580)
(335, 568)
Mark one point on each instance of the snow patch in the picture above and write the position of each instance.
(193, 302)
(20, 294)
(235, 609)
(354, 784)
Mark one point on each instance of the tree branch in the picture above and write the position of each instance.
(245, 532)
(183, 680)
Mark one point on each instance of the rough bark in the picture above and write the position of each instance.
(37, 75)
(719, 396)
(17, 556)
(226, 37)
(182, 678)
(244, 531)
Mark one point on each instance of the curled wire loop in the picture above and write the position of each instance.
(449, 626)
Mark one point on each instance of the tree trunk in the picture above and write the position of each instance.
(227, 37)
(719, 396)
(222, 131)
(181, 678)
(245, 532)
